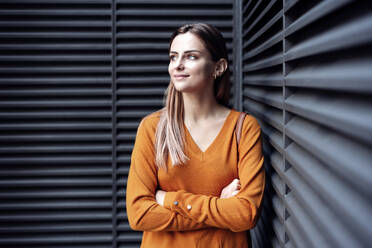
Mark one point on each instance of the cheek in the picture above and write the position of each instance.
(201, 69)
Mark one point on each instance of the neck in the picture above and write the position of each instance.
(199, 107)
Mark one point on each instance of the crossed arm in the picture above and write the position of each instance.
(150, 209)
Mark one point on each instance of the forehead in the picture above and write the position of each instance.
(187, 41)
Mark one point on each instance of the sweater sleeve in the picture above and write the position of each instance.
(144, 213)
(236, 213)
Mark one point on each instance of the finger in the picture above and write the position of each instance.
(235, 193)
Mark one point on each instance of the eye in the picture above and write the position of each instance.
(191, 57)
(172, 57)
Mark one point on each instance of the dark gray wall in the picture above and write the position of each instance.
(307, 77)
(76, 77)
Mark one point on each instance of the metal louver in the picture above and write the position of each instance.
(55, 124)
(307, 78)
(77, 76)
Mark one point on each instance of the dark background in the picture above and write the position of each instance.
(77, 76)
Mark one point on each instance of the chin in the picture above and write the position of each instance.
(182, 87)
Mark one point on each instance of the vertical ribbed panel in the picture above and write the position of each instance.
(55, 124)
(142, 39)
(307, 77)
(262, 97)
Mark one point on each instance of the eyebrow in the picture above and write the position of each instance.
(188, 51)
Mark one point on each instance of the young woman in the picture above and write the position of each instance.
(190, 184)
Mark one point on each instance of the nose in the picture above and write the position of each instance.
(179, 64)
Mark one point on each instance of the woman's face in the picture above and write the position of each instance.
(190, 66)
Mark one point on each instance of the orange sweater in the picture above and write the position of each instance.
(193, 214)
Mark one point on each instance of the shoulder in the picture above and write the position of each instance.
(249, 120)
(151, 119)
(149, 124)
(250, 125)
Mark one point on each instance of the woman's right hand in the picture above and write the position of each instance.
(231, 190)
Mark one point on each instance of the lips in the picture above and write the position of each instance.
(181, 76)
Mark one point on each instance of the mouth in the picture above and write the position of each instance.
(181, 76)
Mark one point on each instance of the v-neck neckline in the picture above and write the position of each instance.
(195, 147)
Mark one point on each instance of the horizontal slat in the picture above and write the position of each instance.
(319, 11)
(265, 95)
(60, 206)
(349, 115)
(55, 149)
(55, 172)
(264, 46)
(338, 198)
(264, 80)
(149, 34)
(140, 102)
(159, 2)
(125, 159)
(73, 2)
(351, 76)
(23, 194)
(264, 63)
(275, 138)
(57, 81)
(145, 91)
(169, 12)
(44, 36)
(307, 226)
(57, 228)
(54, 58)
(55, 114)
(57, 47)
(352, 34)
(126, 136)
(55, 137)
(294, 233)
(271, 116)
(156, 79)
(48, 217)
(138, 57)
(148, 45)
(57, 126)
(56, 11)
(55, 69)
(251, 13)
(259, 33)
(24, 160)
(133, 113)
(279, 230)
(347, 158)
(277, 184)
(56, 92)
(62, 239)
(167, 23)
(288, 4)
(56, 182)
(259, 17)
(54, 24)
(54, 103)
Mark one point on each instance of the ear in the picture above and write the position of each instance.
(220, 67)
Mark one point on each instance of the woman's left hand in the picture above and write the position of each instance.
(159, 196)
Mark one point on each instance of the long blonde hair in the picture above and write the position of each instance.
(170, 136)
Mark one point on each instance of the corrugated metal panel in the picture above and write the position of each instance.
(262, 96)
(76, 77)
(143, 29)
(55, 124)
(307, 78)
